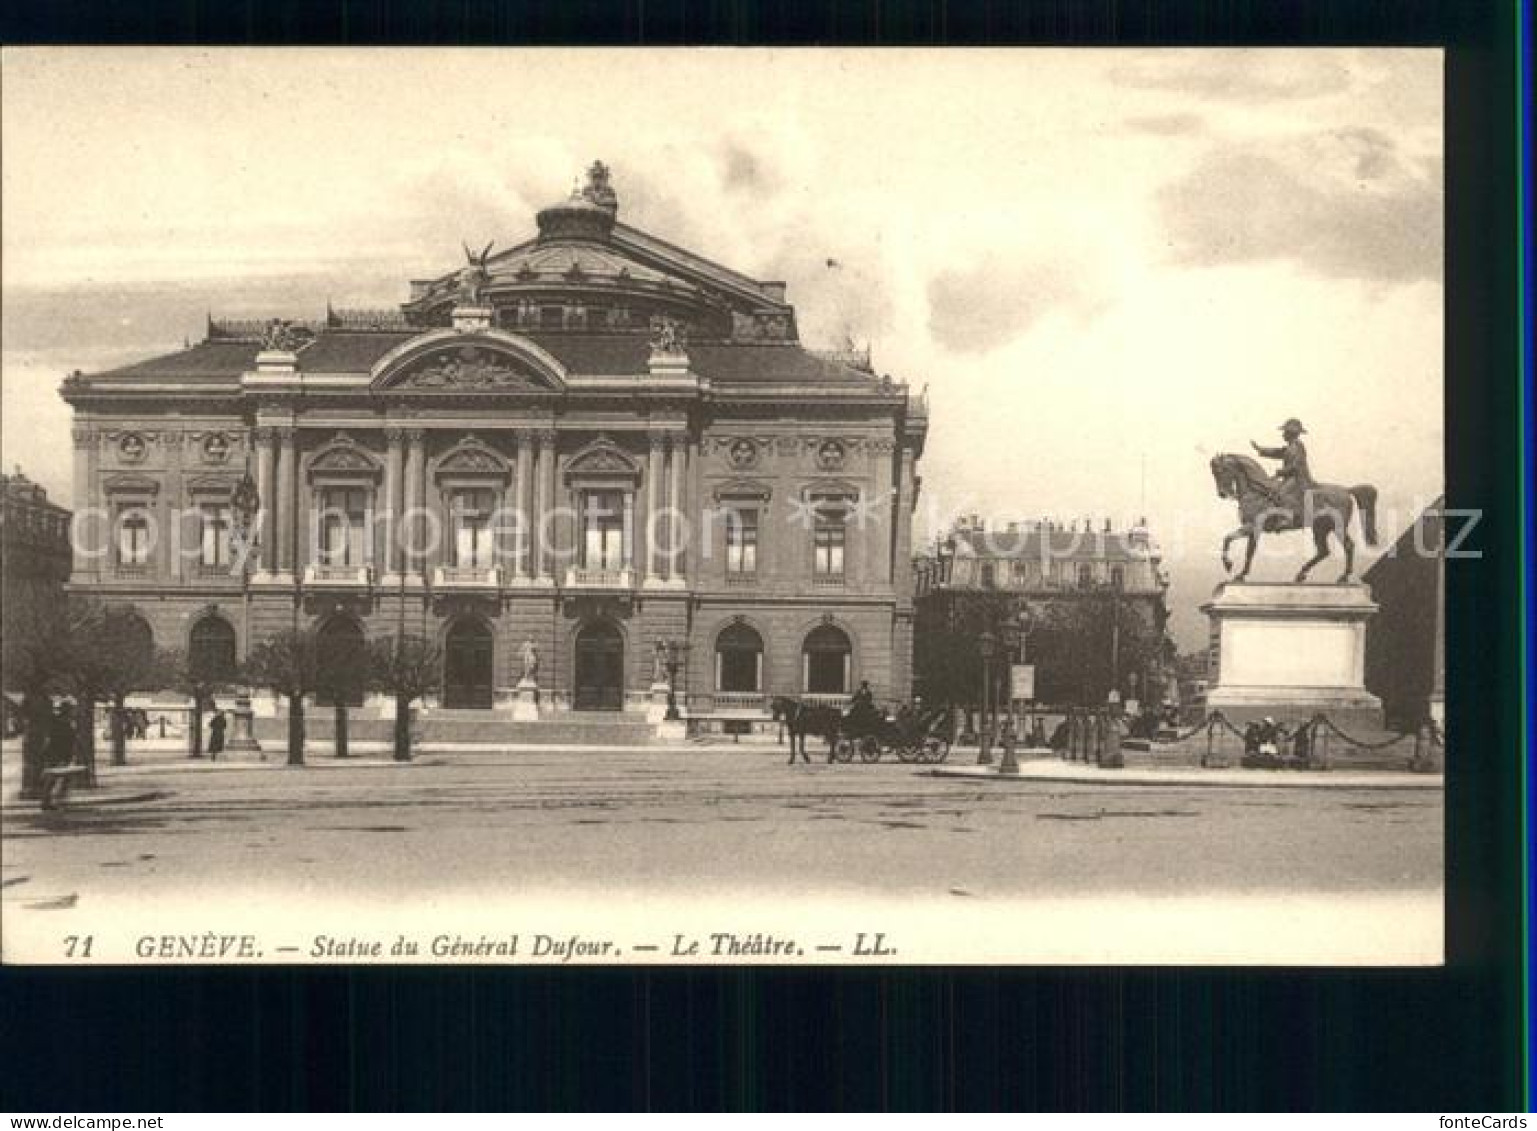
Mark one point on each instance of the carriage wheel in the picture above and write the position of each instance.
(870, 749)
(907, 752)
(843, 750)
(935, 750)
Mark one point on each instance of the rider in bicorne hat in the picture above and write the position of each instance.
(1293, 478)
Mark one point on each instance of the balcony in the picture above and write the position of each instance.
(457, 578)
(827, 581)
(741, 580)
(751, 704)
(836, 702)
(338, 577)
(600, 580)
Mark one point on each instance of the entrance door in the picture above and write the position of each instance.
(599, 668)
(467, 666)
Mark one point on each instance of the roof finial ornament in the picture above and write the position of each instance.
(473, 278)
(599, 188)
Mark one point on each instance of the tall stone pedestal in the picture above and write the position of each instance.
(1291, 651)
(525, 702)
(656, 706)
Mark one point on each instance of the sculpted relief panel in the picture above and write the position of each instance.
(469, 367)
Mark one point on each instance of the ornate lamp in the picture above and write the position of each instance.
(987, 647)
(245, 503)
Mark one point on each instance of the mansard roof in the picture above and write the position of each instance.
(581, 354)
(587, 291)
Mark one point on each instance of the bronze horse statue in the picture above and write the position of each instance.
(1327, 509)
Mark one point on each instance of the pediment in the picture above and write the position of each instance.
(601, 458)
(344, 455)
(472, 456)
(452, 362)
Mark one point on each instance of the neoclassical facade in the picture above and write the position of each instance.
(567, 452)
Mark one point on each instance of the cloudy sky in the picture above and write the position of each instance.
(1105, 265)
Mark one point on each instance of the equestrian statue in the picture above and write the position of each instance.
(1292, 500)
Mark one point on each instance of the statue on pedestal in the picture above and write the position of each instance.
(659, 664)
(530, 663)
(1292, 500)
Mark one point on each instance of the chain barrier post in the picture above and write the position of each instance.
(1320, 749)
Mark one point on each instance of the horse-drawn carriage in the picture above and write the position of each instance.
(867, 733)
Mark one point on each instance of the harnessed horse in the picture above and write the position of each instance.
(801, 719)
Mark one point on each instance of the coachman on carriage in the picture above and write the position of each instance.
(865, 731)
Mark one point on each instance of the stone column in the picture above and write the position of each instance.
(267, 491)
(653, 504)
(546, 508)
(411, 557)
(523, 496)
(879, 517)
(677, 456)
(173, 527)
(391, 505)
(287, 517)
(86, 534)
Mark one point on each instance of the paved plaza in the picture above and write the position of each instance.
(691, 821)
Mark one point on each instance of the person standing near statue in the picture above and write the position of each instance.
(1293, 479)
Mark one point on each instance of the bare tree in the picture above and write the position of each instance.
(406, 668)
(288, 664)
(129, 663)
(34, 657)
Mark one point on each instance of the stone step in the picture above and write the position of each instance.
(478, 728)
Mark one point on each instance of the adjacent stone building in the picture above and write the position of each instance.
(594, 442)
(1406, 640)
(34, 544)
(1093, 603)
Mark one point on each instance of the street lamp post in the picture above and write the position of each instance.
(986, 645)
(673, 661)
(1012, 634)
(245, 502)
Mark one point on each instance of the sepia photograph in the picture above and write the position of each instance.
(692, 507)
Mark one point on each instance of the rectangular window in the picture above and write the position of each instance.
(742, 541)
(829, 539)
(133, 538)
(213, 535)
(343, 525)
(471, 517)
(603, 543)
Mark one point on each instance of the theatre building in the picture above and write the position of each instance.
(593, 458)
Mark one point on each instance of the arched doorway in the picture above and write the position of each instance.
(340, 660)
(827, 658)
(211, 651)
(599, 668)
(739, 660)
(467, 661)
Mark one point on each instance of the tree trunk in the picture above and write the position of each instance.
(34, 743)
(296, 730)
(340, 726)
(85, 737)
(195, 728)
(402, 729)
(119, 738)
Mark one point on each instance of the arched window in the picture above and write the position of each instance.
(826, 658)
(211, 649)
(340, 660)
(739, 660)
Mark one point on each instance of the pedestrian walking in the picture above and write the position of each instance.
(216, 727)
(61, 735)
